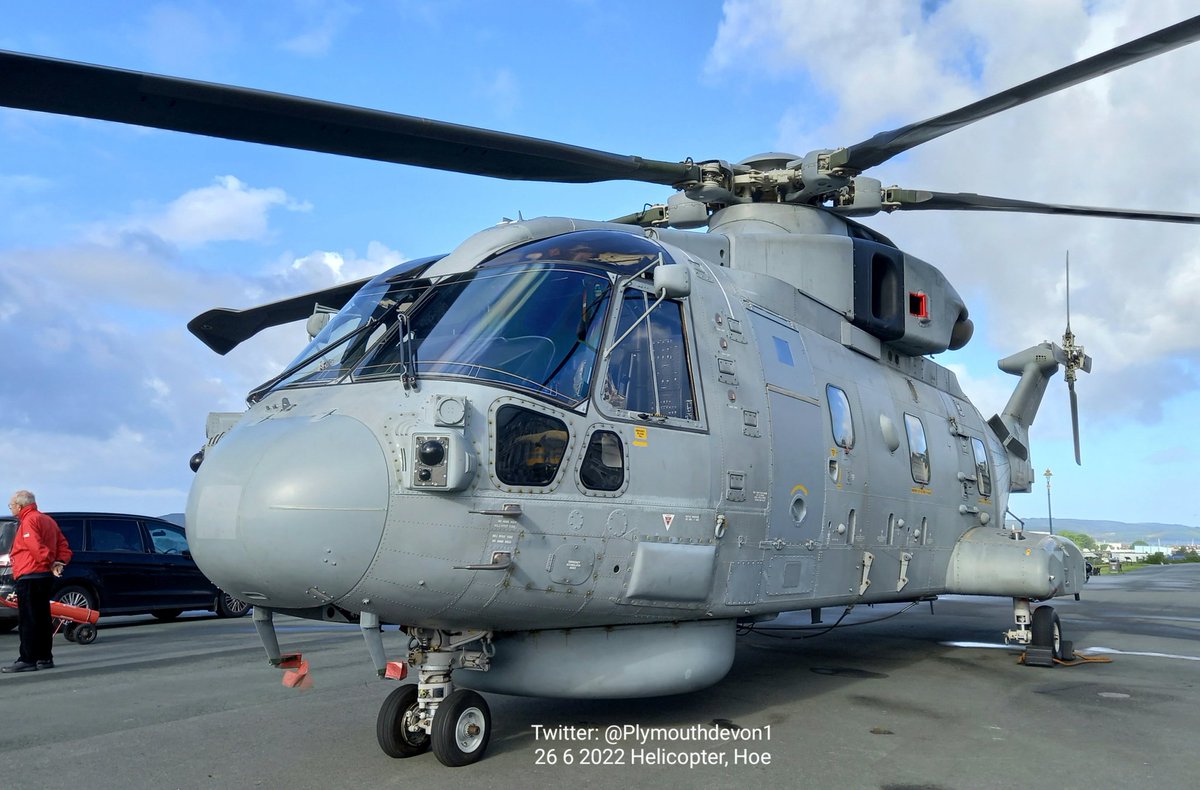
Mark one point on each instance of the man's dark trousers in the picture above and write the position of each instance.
(33, 608)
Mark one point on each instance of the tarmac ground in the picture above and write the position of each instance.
(924, 698)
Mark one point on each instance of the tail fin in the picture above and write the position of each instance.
(1036, 366)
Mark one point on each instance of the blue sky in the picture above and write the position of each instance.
(112, 237)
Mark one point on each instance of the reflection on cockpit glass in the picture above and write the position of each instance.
(535, 327)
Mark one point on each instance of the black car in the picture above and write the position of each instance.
(123, 564)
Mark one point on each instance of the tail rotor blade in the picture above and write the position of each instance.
(1075, 420)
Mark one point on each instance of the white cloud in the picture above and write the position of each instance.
(53, 464)
(317, 266)
(228, 210)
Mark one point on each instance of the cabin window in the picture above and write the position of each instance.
(603, 465)
(983, 475)
(529, 446)
(840, 419)
(918, 450)
(648, 371)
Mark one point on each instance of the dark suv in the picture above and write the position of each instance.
(123, 564)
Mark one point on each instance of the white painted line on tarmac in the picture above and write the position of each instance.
(1090, 650)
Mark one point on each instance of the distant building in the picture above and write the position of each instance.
(1134, 553)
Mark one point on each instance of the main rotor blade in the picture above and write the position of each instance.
(222, 329)
(924, 200)
(32, 82)
(1075, 420)
(885, 145)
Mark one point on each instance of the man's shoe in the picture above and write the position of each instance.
(47, 664)
(20, 666)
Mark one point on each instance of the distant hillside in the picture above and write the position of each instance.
(1120, 532)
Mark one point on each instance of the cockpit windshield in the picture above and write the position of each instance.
(534, 327)
(530, 318)
(339, 346)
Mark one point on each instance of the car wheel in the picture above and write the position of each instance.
(76, 596)
(167, 615)
(228, 606)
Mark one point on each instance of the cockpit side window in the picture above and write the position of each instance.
(918, 449)
(529, 446)
(603, 464)
(648, 370)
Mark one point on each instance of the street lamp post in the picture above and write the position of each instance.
(1049, 512)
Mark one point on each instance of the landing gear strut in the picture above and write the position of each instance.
(1041, 634)
(455, 722)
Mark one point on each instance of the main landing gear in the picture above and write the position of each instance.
(456, 723)
(1041, 634)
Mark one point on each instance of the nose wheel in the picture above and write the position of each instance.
(456, 723)
(399, 727)
(461, 728)
(1040, 632)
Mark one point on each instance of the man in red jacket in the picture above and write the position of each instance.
(39, 553)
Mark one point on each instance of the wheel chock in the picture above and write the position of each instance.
(1038, 656)
(296, 674)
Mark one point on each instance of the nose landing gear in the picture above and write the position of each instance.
(1041, 634)
(456, 723)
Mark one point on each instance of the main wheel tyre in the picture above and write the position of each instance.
(85, 634)
(462, 727)
(228, 606)
(167, 615)
(76, 596)
(1047, 630)
(397, 729)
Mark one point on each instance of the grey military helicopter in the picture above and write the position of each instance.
(570, 457)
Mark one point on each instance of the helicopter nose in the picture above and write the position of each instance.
(289, 512)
